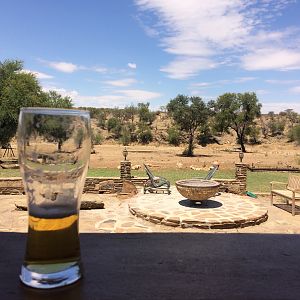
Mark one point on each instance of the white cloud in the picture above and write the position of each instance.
(140, 95)
(261, 92)
(119, 98)
(121, 82)
(279, 106)
(38, 74)
(277, 81)
(100, 69)
(131, 65)
(62, 66)
(185, 67)
(272, 59)
(295, 90)
(216, 32)
(70, 93)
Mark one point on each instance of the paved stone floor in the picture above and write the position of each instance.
(225, 210)
(116, 218)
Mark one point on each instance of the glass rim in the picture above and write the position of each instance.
(54, 111)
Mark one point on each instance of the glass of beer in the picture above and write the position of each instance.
(54, 148)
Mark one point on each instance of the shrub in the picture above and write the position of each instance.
(97, 138)
(125, 136)
(253, 133)
(173, 136)
(144, 134)
(276, 127)
(295, 134)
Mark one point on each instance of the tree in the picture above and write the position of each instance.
(145, 115)
(238, 112)
(55, 100)
(188, 113)
(19, 89)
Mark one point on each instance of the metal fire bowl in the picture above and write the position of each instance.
(197, 189)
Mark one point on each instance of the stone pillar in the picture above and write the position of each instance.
(125, 170)
(241, 176)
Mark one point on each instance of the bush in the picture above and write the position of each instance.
(206, 136)
(97, 138)
(294, 134)
(125, 136)
(144, 134)
(173, 136)
(112, 123)
(276, 127)
(253, 134)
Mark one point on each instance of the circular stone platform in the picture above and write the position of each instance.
(222, 211)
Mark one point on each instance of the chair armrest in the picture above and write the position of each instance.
(293, 189)
(278, 182)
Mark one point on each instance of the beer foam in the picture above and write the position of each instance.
(53, 211)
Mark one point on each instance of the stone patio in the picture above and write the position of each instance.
(116, 218)
(225, 210)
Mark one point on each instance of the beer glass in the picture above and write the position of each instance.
(54, 149)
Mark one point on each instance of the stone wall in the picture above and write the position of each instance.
(237, 185)
(14, 185)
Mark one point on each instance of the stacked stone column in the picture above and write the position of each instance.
(125, 170)
(241, 176)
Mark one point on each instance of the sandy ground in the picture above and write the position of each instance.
(280, 154)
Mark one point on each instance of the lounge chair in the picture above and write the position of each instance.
(213, 169)
(156, 184)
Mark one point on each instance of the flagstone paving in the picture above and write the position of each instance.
(116, 217)
(222, 211)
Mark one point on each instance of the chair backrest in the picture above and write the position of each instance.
(294, 182)
(149, 173)
(211, 172)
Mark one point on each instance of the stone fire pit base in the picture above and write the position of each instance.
(222, 211)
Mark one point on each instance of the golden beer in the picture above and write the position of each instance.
(52, 241)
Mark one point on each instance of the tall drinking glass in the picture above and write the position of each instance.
(54, 149)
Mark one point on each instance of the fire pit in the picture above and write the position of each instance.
(197, 189)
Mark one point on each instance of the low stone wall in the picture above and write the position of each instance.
(11, 186)
(14, 185)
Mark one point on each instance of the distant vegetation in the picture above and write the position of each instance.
(184, 120)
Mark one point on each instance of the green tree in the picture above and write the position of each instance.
(55, 100)
(145, 115)
(188, 113)
(130, 112)
(19, 89)
(237, 112)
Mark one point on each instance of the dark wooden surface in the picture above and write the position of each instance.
(169, 266)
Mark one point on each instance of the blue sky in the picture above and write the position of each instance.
(113, 53)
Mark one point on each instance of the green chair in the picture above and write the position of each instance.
(156, 184)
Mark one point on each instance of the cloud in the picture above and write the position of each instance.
(121, 82)
(62, 66)
(100, 69)
(279, 106)
(185, 67)
(295, 90)
(277, 81)
(38, 74)
(116, 98)
(140, 95)
(261, 92)
(131, 65)
(63, 92)
(272, 59)
(215, 33)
